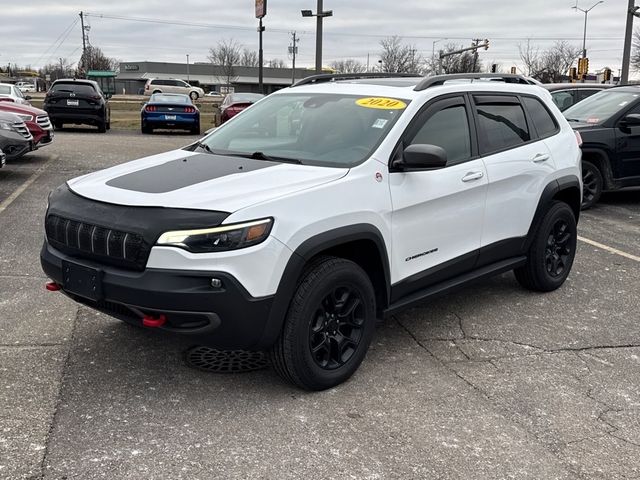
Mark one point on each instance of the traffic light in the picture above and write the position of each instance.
(607, 74)
(494, 68)
(486, 44)
(513, 70)
(583, 66)
(573, 73)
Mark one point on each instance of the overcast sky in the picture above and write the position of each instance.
(36, 32)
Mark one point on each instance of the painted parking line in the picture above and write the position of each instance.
(11, 198)
(609, 249)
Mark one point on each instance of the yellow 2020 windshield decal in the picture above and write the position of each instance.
(381, 103)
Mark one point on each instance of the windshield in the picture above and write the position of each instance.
(601, 106)
(315, 129)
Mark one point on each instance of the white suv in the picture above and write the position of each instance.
(321, 208)
(173, 85)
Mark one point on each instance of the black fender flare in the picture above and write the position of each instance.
(550, 192)
(604, 165)
(300, 258)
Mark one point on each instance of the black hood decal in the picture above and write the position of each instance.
(185, 172)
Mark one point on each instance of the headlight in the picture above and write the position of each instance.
(6, 126)
(219, 239)
(25, 118)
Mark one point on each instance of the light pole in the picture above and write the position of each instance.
(584, 37)
(188, 68)
(320, 14)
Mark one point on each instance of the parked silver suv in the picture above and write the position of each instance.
(174, 85)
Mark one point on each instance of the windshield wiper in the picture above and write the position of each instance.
(263, 156)
(204, 146)
(573, 120)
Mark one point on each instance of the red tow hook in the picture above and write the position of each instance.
(153, 322)
(52, 286)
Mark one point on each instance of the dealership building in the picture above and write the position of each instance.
(133, 76)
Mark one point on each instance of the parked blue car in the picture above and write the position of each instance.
(170, 110)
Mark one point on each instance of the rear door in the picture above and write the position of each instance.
(518, 164)
(437, 214)
(628, 145)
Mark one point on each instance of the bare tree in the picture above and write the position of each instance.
(249, 58)
(551, 65)
(226, 54)
(635, 55)
(399, 58)
(94, 59)
(457, 63)
(348, 66)
(276, 63)
(61, 69)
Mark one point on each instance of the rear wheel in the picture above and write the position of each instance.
(102, 127)
(552, 251)
(146, 129)
(57, 125)
(328, 327)
(592, 182)
(196, 130)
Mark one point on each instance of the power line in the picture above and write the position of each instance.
(62, 41)
(66, 30)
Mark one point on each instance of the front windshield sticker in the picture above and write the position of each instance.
(593, 120)
(381, 103)
(379, 123)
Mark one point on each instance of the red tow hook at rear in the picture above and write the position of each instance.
(154, 322)
(52, 286)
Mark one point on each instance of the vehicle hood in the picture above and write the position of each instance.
(184, 179)
(584, 125)
(20, 108)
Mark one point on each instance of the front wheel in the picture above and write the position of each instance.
(552, 251)
(592, 182)
(328, 327)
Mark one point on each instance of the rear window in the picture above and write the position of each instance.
(5, 90)
(502, 125)
(81, 88)
(540, 116)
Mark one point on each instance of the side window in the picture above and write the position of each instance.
(563, 99)
(447, 128)
(540, 116)
(501, 124)
(585, 92)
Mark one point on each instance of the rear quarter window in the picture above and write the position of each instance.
(541, 118)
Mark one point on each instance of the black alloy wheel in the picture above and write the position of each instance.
(592, 183)
(328, 327)
(558, 251)
(337, 328)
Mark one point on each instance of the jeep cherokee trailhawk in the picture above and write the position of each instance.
(322, 207)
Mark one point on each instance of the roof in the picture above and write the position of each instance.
(563, 86)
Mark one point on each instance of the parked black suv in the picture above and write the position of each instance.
(77, 102)
(609, 123)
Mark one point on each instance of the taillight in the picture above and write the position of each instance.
(189, 110)
(578, 137)
(151, 108)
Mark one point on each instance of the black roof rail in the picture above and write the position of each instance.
(441, 79)
(332, 77)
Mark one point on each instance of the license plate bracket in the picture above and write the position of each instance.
(83, 281)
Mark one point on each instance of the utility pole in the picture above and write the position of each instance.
(261, 29)
(475, 48)
(293, 50)
(320, 14)
(476, 42)
(84, 43)
(632, 11)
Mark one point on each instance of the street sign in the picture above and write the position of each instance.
(261, 8)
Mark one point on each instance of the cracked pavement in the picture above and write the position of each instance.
(490, 382)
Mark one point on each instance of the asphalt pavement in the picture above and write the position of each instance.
(491, 382)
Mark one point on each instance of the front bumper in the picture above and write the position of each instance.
(227, 317)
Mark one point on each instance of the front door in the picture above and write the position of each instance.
(628, 146)
(437, 214)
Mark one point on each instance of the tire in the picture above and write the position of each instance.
(102, 127)
(195, 130)
(57, 125)
(552, 251)
(145, 129)
(334, 301)
(157, 91)
(592, 181)
(194, 96)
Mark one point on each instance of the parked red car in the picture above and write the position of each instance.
(36, 120)
(234, 103)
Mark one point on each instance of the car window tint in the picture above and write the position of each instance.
(502, 125)
(449, 129)
(540, 116)
(81, 88)
(585, 92)
(563, 99)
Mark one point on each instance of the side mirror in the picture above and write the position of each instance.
(633, 119)
(28, 97)
(422, 157)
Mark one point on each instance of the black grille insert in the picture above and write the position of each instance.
(114, 247)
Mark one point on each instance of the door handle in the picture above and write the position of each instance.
(472, 176)
(541, 157)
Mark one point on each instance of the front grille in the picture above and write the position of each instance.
(44, 122)
(105, 245)
(22, 129)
